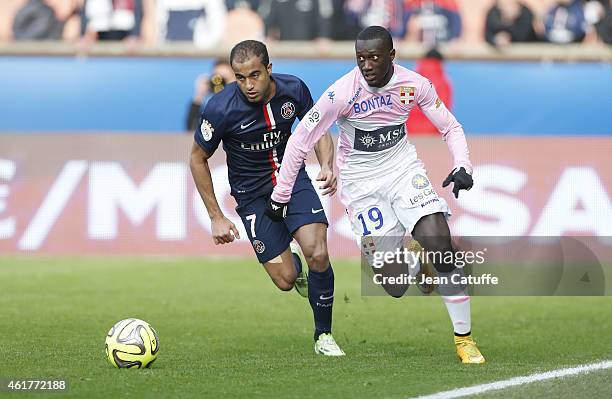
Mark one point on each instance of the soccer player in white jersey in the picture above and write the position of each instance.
(384, 186)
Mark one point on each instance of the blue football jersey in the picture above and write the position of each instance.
(254, 135)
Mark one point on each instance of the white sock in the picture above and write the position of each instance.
(458, 308)
(457, 301)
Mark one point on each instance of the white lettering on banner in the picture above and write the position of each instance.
(579, 203)
(7, 172)
(52, 205)
(510, 216)
(111, 189)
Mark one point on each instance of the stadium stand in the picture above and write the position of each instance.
(344, 18)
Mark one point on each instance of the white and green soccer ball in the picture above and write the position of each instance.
(132, 343)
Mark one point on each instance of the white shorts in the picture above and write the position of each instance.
(391, 205)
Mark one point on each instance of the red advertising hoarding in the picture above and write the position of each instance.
(132, 194)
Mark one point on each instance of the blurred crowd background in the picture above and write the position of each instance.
(211, 23)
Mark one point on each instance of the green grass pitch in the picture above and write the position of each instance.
(226, 331)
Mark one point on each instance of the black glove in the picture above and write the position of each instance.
(276, 211)
(461, 178)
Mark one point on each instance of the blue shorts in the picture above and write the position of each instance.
(270, 238)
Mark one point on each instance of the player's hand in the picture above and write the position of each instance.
(276, 211)
(462, 179)
(223, 230)
(330, 183)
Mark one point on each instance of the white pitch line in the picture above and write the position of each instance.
(526, 379)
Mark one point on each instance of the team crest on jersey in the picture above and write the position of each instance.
(419, 181)
(207, 130)
(368, 247)
(288, 110)
(259, 246)
(407, 94)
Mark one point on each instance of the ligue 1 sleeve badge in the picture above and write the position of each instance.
(288, 110)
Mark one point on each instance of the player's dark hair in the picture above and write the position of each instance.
(377, 32)
(248, 48)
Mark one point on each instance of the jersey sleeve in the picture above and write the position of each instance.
(306, 101)
(210, 129)
(311, 128)
(448, 126)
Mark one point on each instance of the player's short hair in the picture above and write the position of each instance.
(377, 32)
(248, 48)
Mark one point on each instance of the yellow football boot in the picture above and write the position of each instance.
(468, 351)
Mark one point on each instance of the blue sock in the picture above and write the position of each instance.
(297, 262)
(321, 298)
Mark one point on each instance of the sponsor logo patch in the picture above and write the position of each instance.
(431, 201)
(373, 103)
(379, 139)
(355, 96)
(419, 181)
(428, 192)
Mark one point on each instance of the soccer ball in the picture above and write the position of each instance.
(132, 343)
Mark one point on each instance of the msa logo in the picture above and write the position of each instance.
(380, 139)
(367, 140)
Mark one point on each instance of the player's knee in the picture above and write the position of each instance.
(284, 283)
(317, 257)
(285, 279)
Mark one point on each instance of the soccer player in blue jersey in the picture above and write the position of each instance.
(253, 117)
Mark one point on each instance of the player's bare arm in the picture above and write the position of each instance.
(324, 149)
(223, 230)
